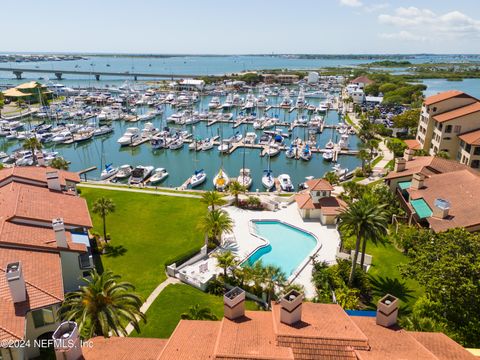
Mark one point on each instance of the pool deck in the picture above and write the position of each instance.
(327, 236)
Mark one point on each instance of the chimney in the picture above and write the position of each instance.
(40, 159)
(441, 208)
(418, 180)
(66, 342)
(408, 154)
(234, 303)
(291, 307)
(60, 235)
(387, 311)
(53, 182)
(399, 164)
(16, 282)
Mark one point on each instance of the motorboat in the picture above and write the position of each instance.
(300, 99)
(124, 172)
(343, 143)
(286, 101)
(214, 103)
(176, 144)
(273, 150)
(250, 138)
(285, 182)
(250, 101)
(351, 131)
(322, 108)
(195, 145)
(103, 130)
(306, 153)
(140, 174)
(108, 172)
(329, 145)
(83, 135)
(158, 143)
(328, 155)
(291, 152)
(62, 137)
(198, 177)
(221, 180)
(225, 145)
(131, 135)
(149, 130)
(158, 176)
(228, 102)
(262, 101)
(268, 180)
(341, 173)
(245, 178)
(207, 144)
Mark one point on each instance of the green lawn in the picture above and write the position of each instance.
(164, 314)
(147, 232)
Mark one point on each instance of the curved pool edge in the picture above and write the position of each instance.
(266, 243)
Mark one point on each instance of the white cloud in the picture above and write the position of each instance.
(376, 7)
(351, 3)
(423, 24)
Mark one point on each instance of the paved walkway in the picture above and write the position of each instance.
(138, 190)
(153, 296)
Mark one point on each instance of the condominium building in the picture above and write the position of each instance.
(44, 253)
(450, 122)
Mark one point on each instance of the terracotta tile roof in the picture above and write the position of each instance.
(250, 337)
(389, 343)
(319, 185)
(428, 165)
(192, 340)
(442, 346)
(329, 205)
(124, 348)
(460, 188)
(455, 114)
(37, 174)
(444, 96)
(42, 272)
(32, 202)
(361, 79)
(413, 144)
(471, 138)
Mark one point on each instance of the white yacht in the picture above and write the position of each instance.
(108, 172)
(207, 144)
(124, 172)
(262, 101)
(221, 180)
(62, 137)
(285, 182)
(176, 144)
(103, 130)
(343, 143)
(198, 178)
(158, 176)
(214, 103)
(328, 155)
(286, 102)
(306, 153)
(291, 152)
(149, 130)
(245, 178)
(273, 150)
(250, 101)
(225, 145)
(140, 174)
(228, 104)
(268, 180)
(250, 138)
(300, 99)
(131, 135)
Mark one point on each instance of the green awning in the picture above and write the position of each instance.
(421, 208)
(404, 185)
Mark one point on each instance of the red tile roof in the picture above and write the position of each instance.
(37, 174)
(442, 346)
(471, 138)
(457, 113)
(329, 205)
(123, 348)
(413, 144)
(42, 272)
(319, 185)
(445, 96)
(361, 79)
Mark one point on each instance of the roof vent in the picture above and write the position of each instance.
(408, 154)
(53, 181)
(16, 282)
(418, 181)
(291, 307)
(399, 164)
(234, 303)
(66, 341)
(60, 235)
(387, 311)
(441, 208)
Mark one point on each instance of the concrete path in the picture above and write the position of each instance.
(137, 190)
(153, 296)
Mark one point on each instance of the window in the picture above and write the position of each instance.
(476, 150)
(448, 129)
(457, 129)
(43, 317)
(468, 148)
(475, 164)
(85, 260)
(447, 138)
(434, 109)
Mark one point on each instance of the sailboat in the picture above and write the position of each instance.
(268, 180)
(290, 153)
(198, 178)
(108, 172)
(306, 153)
(221, 180)
(245, 178)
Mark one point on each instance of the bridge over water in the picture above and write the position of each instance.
(59, 73)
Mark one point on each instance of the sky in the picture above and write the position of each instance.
(241, 27)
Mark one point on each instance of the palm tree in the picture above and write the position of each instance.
(212, 199)
(215, 223)
(195, 312)
(104, 306)
(273, 277)
(363, 155)
(225, 260)
(331, 177)
(103, 207)
(366, 219)
(59, 163)
(235, 189)
(33, 145)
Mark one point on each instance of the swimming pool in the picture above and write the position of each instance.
(288, 246)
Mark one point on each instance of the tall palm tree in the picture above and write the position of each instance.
(212, 199)
(33, 145)
(103, 206)
(225, 260)
(235, 189)
(215, 223)
(104, 306)
(59, 163)
(367, 220)
(273, 277)
(195, 312)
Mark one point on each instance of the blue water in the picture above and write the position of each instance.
(288, 247)
(470, 86)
